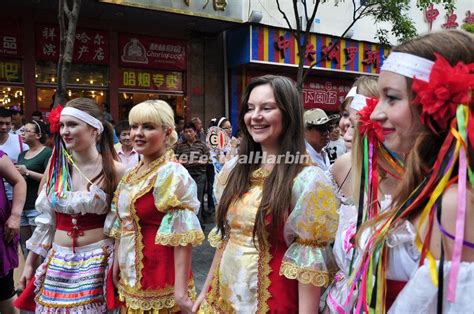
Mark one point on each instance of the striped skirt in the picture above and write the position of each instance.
(74, 282)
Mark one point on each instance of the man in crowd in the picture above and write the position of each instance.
(336, 146)
(200, 133)
(179, 126)
(10, 144)
(194, 155)
(316, 134)
(17, 120)
(127, 155)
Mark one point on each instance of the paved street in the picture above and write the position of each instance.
(202, 259)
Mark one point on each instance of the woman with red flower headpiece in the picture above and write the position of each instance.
(426, 238)
(75, 276)
(364, 179)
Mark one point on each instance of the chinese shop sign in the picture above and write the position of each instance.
(90, 47)
(10, 71)
(10, 44)
(152, 53)
(152, 80)
(325, 94)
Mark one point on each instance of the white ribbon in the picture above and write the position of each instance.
(83, 116)
(408, 65)
(358, 102)
(352, 92)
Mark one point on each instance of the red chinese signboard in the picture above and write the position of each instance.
(152, 53)
(90, 47)
(10, 43)
(152, 80)
(326, 94)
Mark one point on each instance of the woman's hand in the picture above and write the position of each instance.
(185, 303)
(28, 273)
(116, 271)
(198, 302)
(12, 227)
(21, 169)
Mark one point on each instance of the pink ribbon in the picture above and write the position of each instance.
(460, 220)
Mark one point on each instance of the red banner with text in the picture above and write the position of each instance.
(90, 46)
(152, 52)
(10, 39)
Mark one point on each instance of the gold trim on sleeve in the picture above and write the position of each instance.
(304, 275)
(193, 237)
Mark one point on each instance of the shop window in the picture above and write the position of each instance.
(45, 96)
(129, 99)
(11, 96)
(79, 74)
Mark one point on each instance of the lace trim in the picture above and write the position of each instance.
(214, 238)
(263, 276)
(304, 275)
(139, 238)
(311, 243)
(145, 300)
(193, 237)
(132, 177)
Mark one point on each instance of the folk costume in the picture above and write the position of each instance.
(369, 205)
(151, 214)
(433, 285)
(71, 279)
(254, 279)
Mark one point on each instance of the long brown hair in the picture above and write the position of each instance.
(106, 144)
(455, 46)
(276, 196)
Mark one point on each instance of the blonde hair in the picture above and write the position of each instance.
(366, 86)
(157, 112)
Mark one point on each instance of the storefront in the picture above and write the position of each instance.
(258, 50)
(11, 65)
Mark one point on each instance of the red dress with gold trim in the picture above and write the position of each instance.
(151, 214)
(251, 279)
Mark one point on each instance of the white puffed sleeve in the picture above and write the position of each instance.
(40, 241)
(175, 193)
(310, 229)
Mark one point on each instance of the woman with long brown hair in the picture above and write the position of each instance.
(73, 205)
(425, 111)
(276, 217)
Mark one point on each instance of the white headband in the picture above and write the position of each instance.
(408, 65)
(358, 102)
(220, 121)
(352, 92)
(84, 116)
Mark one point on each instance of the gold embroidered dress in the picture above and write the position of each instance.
(151, 214)
(254, 280)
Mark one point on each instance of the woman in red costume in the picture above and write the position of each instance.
(73, 205)
(276, 213)
(154, 219)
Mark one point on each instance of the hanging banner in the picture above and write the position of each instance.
(90, 46)
(10, 39)
(152, 52)
(152, 80)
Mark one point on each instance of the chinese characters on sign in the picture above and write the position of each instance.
(431, 14)
(10, 71)
(10, 45)
(325, 94)
(152, 53)
(90, 46)
(450, 21)
(152, 80)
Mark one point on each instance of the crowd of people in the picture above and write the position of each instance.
(370, 210)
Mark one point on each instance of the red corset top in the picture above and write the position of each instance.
(75, 225)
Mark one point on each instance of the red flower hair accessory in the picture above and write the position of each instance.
(366, 125)
(54, 116)
(447, 88)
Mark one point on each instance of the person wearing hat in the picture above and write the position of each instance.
(316, 133)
